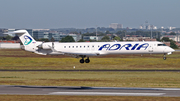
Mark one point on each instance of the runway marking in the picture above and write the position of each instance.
(106, 93)
(169, 89)
(174, 89)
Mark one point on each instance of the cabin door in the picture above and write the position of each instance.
(151, 48)
(92, 48)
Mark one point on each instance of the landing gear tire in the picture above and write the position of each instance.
(164, 57)
(87, 60)
(81, 61)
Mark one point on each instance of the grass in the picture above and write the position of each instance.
(96, 63)
(82, 98)
(19, 59)
(102, 79)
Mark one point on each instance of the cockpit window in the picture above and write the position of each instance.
(161, 44)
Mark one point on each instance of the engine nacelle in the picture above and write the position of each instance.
(46, 46)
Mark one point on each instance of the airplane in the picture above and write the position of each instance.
(88, 49)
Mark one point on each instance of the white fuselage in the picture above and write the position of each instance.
(103, 48)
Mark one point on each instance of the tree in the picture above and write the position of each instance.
(92, 40)
(15, 38)
(166, 39)
(121, 33)
(8, 37)
(43, 39)
(52, 39)
(117, 38)
(107, 32)
(172, 33)
(1, 38)
(158, 39)
(68, 39)
(172, 43)
(105, 38)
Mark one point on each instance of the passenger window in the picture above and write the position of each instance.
(84, 46)
(64, 46)
(72, 46)
(76, 46)
(69, 46)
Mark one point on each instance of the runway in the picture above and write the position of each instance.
(88, 91)
(81, 70)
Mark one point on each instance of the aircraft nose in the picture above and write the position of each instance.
(172, 50)
(169, 50)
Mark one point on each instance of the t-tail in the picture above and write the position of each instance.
(27, 40)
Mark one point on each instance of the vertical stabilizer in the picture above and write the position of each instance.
(26, 39)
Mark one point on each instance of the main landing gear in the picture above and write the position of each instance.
(86, 60)
(164, 57)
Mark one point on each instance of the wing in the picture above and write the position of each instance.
(77, 54)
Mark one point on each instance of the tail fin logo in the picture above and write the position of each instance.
(28, 40)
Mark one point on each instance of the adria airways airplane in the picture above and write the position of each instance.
(87, 49)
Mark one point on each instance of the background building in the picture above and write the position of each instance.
(87, 38)
(2, 31)
(50, 35)
(30, 31)
(76, 37)
(115, 25)
(138, 39)
(38, 34)
(10, 45)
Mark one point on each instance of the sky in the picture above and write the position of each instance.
(38, 14)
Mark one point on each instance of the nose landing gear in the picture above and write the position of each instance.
(164, 57)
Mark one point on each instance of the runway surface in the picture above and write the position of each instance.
(76, 70)
(93, 91)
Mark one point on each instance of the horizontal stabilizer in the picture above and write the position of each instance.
(18, 32)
